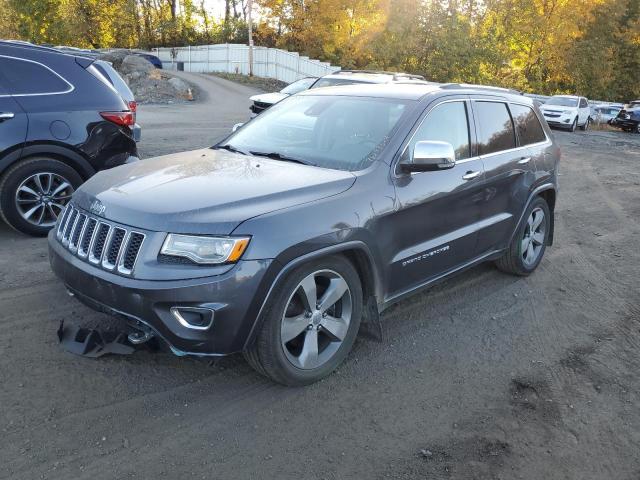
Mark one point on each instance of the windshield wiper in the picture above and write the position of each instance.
(230, 148)
(279, 156)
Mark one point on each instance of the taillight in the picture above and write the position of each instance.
(133, 106)
(124, 119)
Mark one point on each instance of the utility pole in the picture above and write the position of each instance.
(249, 8)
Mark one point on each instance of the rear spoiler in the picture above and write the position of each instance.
(84, 62)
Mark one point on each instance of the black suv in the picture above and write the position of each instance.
(312, 218)
(61, 120)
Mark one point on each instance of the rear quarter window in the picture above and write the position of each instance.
(495, 131)
(25, 77)
(528, 126)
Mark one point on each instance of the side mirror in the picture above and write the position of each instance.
(236, 126)
(429, 156)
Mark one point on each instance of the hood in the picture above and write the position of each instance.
(205, 191)
(555, 108)
(269, 98)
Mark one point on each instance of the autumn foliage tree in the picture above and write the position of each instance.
(591, 47)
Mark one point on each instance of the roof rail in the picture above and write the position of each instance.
(381, 72)
(455, 86)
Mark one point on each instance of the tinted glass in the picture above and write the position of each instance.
(28, 78)
(298, 86)
(332, 82)
(562, 101)
(495, 127)
(445, 123)
(527, 125)
(583, 103)
(340, 132)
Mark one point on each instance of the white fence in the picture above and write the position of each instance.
(234, 58)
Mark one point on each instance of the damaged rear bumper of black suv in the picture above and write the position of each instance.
(203, 316)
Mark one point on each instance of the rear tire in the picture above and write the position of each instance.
(299, 344)
(529, 243)
(573, 126)
(585, 127)
(33, 193)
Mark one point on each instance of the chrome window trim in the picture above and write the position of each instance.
(69, 90)
(545, 142)
(404, 149)
(515, 149)
(546, 137)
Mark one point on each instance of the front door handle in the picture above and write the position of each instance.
(524, 160)
(6, 116)
(470, 175)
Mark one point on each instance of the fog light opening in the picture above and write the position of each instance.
(195, 318)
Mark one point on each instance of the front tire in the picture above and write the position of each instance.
(529, 243)
(33, 193)
(311, 323)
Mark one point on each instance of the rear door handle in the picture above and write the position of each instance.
(524, 160)
(470, 175)
(6, 116)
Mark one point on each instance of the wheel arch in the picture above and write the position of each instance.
(356, 252)
(58, 152)
(548, 193)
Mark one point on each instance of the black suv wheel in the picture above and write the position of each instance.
(33, 192)
(529, 242)
(311, 324)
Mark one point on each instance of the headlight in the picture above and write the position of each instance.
(567, 112)
(205, 250)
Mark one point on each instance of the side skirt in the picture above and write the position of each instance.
(491, 255)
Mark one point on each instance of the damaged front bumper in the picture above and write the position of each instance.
(228, 303)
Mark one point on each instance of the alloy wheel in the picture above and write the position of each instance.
(533, 239)
(316, 319)
(41, 197)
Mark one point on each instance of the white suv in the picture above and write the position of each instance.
(567, 111)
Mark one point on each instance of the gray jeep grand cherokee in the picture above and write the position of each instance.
(312, 218)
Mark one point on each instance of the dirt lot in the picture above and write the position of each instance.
(485, 376)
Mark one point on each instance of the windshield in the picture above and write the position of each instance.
(298, 86)
(340, 132)
(562, 101)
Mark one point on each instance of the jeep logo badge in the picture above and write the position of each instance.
(97, 208)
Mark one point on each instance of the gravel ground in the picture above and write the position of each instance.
(178, 127)
(486, 376)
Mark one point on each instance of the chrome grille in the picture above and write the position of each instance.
(102, 243)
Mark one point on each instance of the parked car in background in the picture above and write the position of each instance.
(315, 216)
(155, 61)
(342, 77)
(567, 111)
(114, 78)
(628, 118)
(604, 113)
(61, 120)
(264, 100)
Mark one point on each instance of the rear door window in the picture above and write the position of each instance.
(495, 128)
(527, 125)
(24, 77)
